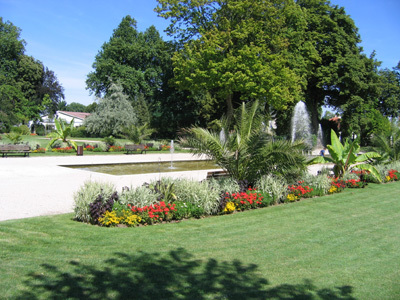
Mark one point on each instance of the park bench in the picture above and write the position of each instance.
(134, 148)
(215, 174)
(15, 149)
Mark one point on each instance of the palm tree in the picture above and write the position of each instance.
(243, 148)
(345, 157)
(136, 133)
(388, 143)
(62, 132)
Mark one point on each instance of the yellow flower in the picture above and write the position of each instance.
(230, 207)
(332, 190)
(292, 197)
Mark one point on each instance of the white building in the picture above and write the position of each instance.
(67, 116)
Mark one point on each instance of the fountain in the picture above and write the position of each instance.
(172, 154)
(301, 124)
(320, 137)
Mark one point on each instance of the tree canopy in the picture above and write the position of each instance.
(28, 88)
(235, 48)
(113, 113)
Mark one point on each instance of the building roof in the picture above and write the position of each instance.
(76, 115)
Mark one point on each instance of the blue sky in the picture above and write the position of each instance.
(66, 35)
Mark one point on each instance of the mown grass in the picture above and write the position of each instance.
(343, 246)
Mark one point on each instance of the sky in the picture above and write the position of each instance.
(66, 35)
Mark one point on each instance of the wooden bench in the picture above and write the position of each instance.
(215, 174)
(134, 148)
(15, 149)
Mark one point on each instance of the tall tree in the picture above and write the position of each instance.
(29, 88)
(11, 48)
(233, 49)
(113, 113)
(389, 98)
(133, 58)
(77, 107)
(335, 38)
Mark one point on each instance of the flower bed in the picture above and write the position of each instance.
(63, 149)
(107, 209)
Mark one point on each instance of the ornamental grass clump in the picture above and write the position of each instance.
(138, 196)
(320, 184)
(273, 185)
(199, 194)
(87, 194)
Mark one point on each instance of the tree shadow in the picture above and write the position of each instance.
(176, 275)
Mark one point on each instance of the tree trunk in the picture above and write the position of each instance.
(229, 106)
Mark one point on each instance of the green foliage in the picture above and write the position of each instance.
(387, 142)
(227, 184)
(198, 194)
(345, 157)
(322, 182)
(113, 113)
(77, 107)
(79, 131)
(15, 137)
(136, 133)
(109, 141)
(244, 149)
(87, 194)
(62, 132)
(138, 196)
(236, 48)
(23, 129)
(273, 185)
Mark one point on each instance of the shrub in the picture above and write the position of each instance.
(80, 132)
(22, 129)
(87, 194)
(199, 194)
(40, 130)
(109, 141)
(140, 196)
(273, 185)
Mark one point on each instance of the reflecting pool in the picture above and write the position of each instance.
(144, 168)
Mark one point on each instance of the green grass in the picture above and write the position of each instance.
(343, 246)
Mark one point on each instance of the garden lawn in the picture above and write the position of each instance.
(343, 246)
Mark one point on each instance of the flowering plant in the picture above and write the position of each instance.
(355, 183)
(154, 213)
(89, 148)
(298, 191)
(337, 186)
(115, 217)
(39, 150)
(64, 149)
(393, 175)
(116, 149)
(250, 199)
(165, 147)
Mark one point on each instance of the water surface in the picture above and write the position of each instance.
(152, 167)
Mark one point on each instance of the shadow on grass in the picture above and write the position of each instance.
(177, 275)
